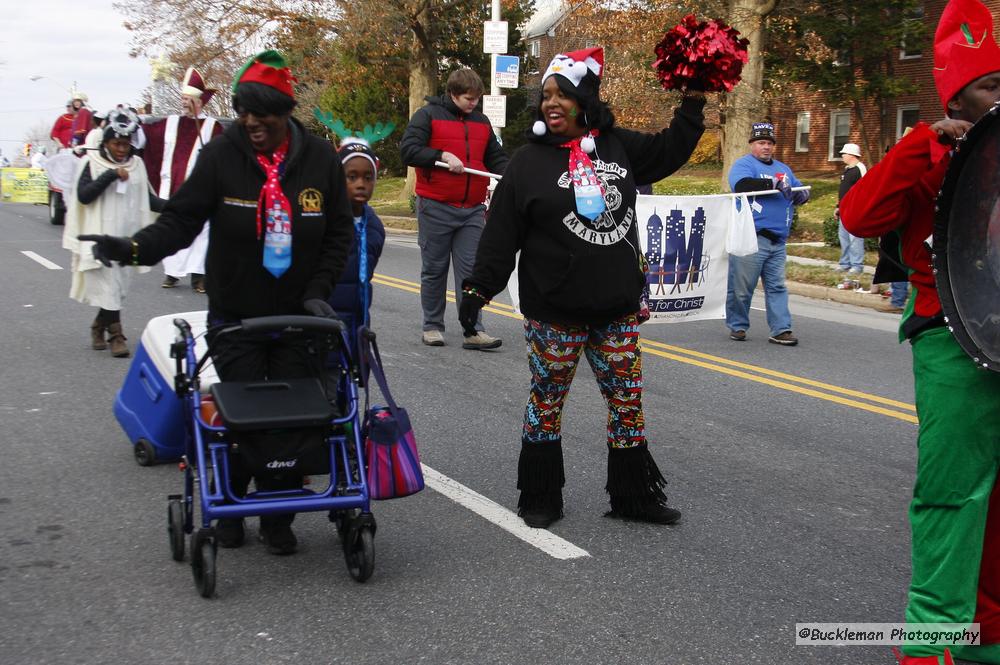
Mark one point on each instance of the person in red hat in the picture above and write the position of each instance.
(172, 148)
(281, 232)
(956, 505)
(567, 203)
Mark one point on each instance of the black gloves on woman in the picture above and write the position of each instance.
(110, 248)
(468, 309)
(319, 307)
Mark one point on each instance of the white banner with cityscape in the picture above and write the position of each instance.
(684, 240)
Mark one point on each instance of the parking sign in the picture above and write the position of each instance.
(505, 70)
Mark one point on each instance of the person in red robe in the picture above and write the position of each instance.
(62, 129)
(172, 147)
(82, 120)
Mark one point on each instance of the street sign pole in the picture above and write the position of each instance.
(492, 48)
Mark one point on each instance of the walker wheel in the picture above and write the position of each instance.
(359, 552)
(203, 549)
(175, 528)
(145, 454)
(342, 520)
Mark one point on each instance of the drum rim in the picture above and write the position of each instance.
(939, 250)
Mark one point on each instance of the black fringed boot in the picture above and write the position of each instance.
(540, 477)
(636, 487)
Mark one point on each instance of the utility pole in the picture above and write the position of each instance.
(494, 87)
(503, 70)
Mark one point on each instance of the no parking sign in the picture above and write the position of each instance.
(505, 70)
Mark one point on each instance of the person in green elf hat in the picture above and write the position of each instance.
(280, 235)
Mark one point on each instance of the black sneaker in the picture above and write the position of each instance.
(169, 282)
(540, 518)
(278, 538)
(658, 513)
(738, 335)
(229, 532)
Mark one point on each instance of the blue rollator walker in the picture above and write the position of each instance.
(249, 406)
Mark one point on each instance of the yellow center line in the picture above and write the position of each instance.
(719, 364)
(782, 375)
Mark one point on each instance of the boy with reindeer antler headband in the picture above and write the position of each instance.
(361, 172)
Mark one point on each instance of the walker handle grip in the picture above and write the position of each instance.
(294, 323)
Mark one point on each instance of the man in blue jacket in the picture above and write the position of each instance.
(772, 216)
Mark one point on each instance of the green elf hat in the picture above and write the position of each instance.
(267, 67)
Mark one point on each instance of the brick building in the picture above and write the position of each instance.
(811, 130)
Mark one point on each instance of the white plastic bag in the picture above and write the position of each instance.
(742, 237)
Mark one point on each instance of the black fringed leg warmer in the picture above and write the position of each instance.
(540, 476)
(633, 480)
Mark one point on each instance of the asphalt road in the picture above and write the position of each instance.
(793, 467)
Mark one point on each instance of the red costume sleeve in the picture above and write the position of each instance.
(62, 130)
(881, 201)
(152, 155)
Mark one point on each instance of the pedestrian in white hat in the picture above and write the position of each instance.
(852, 248)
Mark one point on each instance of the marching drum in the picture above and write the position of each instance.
(966, 250)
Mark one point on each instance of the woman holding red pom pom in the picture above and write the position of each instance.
(567, 203)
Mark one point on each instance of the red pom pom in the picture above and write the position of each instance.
(709, 52)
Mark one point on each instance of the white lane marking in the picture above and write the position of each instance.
(491, 511)
(41, 259)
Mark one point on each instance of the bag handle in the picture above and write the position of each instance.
(369, 356)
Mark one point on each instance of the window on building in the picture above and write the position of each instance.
(535, 48)
(840, 132)
(802, 132)
(906, 116)
(914, 23)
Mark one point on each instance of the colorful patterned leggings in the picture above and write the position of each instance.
(613, 353)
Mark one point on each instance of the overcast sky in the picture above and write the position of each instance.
(64, 42)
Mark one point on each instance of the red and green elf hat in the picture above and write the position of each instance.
(267, 67)
(964, 48)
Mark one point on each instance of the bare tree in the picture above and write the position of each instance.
(746, 102)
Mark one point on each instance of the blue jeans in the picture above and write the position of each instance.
(852, 250)
(899, 294)
(744, 271)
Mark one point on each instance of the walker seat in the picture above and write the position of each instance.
(256, 405)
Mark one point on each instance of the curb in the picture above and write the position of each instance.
(869, 300)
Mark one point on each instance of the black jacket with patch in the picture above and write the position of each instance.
(573, 270)
(224, 188)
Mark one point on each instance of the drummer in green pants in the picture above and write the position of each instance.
(955, 512)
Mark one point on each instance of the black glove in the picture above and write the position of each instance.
(110, 248)
(800, 197)
(695, 85)
(468, 312)
(318, 307)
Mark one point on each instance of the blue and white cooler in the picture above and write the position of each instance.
(147, 407)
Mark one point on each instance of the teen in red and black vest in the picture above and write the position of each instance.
(450, 210)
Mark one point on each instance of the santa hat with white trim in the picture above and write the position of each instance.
(583, 69)
(193, 85)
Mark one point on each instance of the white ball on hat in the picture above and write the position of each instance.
(538, 129)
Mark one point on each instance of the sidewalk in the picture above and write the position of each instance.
(850, 297)
(405, 226)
